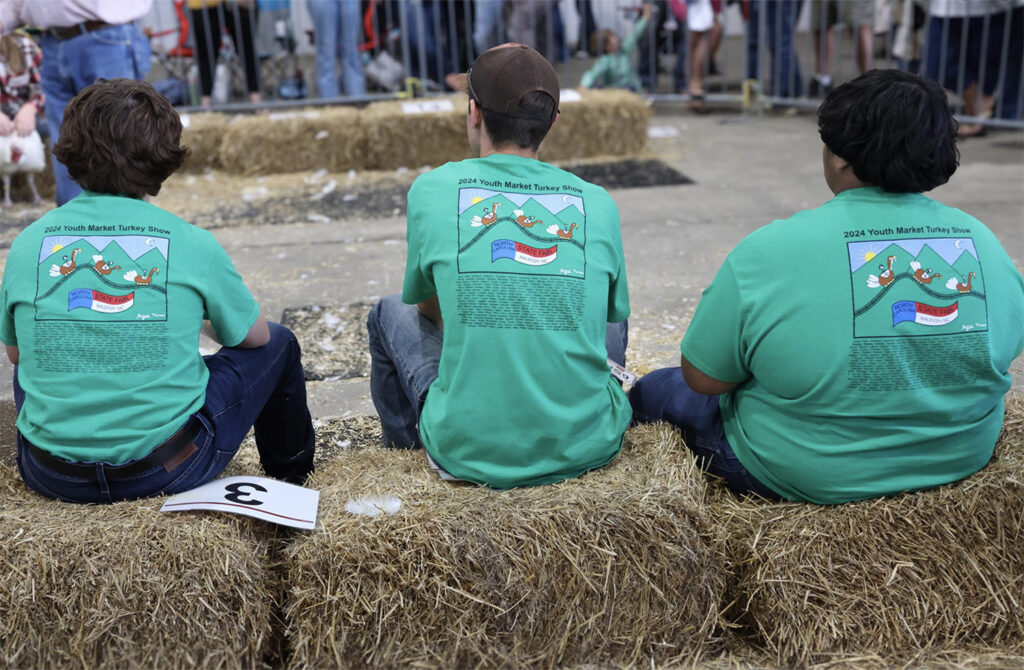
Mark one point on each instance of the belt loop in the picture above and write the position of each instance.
(101, 480)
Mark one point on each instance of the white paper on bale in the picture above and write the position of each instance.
(427, 106)
(259, 497)
(569, 95)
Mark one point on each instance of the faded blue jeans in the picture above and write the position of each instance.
(780, 23)
(336, 26)
(405, 351)
(663, 395)
(71, 65)
(262, 388)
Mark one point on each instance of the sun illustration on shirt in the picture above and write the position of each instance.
(56, 248)
(477, 199)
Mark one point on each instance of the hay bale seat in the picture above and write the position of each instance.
(125, 586)
(603, 123)
(896, 579)
(203, 133)
(384, 137)
(609, 568)
(328, 138)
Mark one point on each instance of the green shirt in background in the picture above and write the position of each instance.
(616, 70)
(104, 298)
(872, 337)
(526, 260)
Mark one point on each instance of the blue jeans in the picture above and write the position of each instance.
(405, 351)
(262, 388)
(71, 65)
(780, 21)
(488, 28)
(663, 395)
(336, 25)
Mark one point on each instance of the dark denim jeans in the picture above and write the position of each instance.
(663, 395)
(71, 65)
(405, 351)
(262, 388)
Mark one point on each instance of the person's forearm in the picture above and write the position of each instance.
(431, 308)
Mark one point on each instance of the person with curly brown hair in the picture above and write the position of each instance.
(101, 307)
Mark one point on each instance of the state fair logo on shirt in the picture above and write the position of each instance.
(102, 278)
(917, 286)
(509, 232)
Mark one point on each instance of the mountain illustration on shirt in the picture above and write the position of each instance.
(102, 278)
(507, 232)
(917, 286)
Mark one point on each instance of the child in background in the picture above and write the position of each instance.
(614, 69)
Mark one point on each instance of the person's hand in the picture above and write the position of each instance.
(25, 120)
(6, 125)
(646, 13)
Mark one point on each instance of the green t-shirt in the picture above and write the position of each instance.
(104, 298)
(527, 263)
(872, 338)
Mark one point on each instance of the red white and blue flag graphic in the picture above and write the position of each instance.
(99, 302)
(926, 315)
(522, 253)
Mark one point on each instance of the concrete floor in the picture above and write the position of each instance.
(748, 170)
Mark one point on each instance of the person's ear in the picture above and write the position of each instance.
(557, 114)
(475, 117)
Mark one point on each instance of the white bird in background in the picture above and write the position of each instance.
(21, 154)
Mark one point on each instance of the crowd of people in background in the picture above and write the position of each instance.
(973, 48)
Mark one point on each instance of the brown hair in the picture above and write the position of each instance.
(120, 137)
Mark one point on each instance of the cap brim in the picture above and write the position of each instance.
(458, 81)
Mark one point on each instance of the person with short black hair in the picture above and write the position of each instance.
(101, 307)
(495, 356)
(862, 348)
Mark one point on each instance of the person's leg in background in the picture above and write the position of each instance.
(326, 16)
(71, 65)
(781, 16)
(351, 65)
(241, 25)
(487, 23)
(206, 30)
(405, 352)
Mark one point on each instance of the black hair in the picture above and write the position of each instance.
(504, 129)
(894, 128)
(120, 137)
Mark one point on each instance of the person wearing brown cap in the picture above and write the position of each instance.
(495, 358)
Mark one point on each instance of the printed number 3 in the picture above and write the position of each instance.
(239, 496)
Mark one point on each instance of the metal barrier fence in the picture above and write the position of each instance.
(240, 54)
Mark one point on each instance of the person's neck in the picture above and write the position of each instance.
(488, 149)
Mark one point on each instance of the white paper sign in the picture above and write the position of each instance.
(569, 95)
(427, 106)
(258, 497)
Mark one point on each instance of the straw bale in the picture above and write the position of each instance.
(395, 139)
(329, 138)
(608, 568)
(895, 578)
(124, 586)
(603, 123)
(204, 135)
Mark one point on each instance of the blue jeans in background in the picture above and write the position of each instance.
(780, 17)
(336, 26)
(71, 65)
(262, 388)
(663, 395)
(405, 351)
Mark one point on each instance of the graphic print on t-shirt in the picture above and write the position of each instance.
(917, 286)
(521, 233)
(102, 278)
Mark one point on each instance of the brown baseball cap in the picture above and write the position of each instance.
(500, 77)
